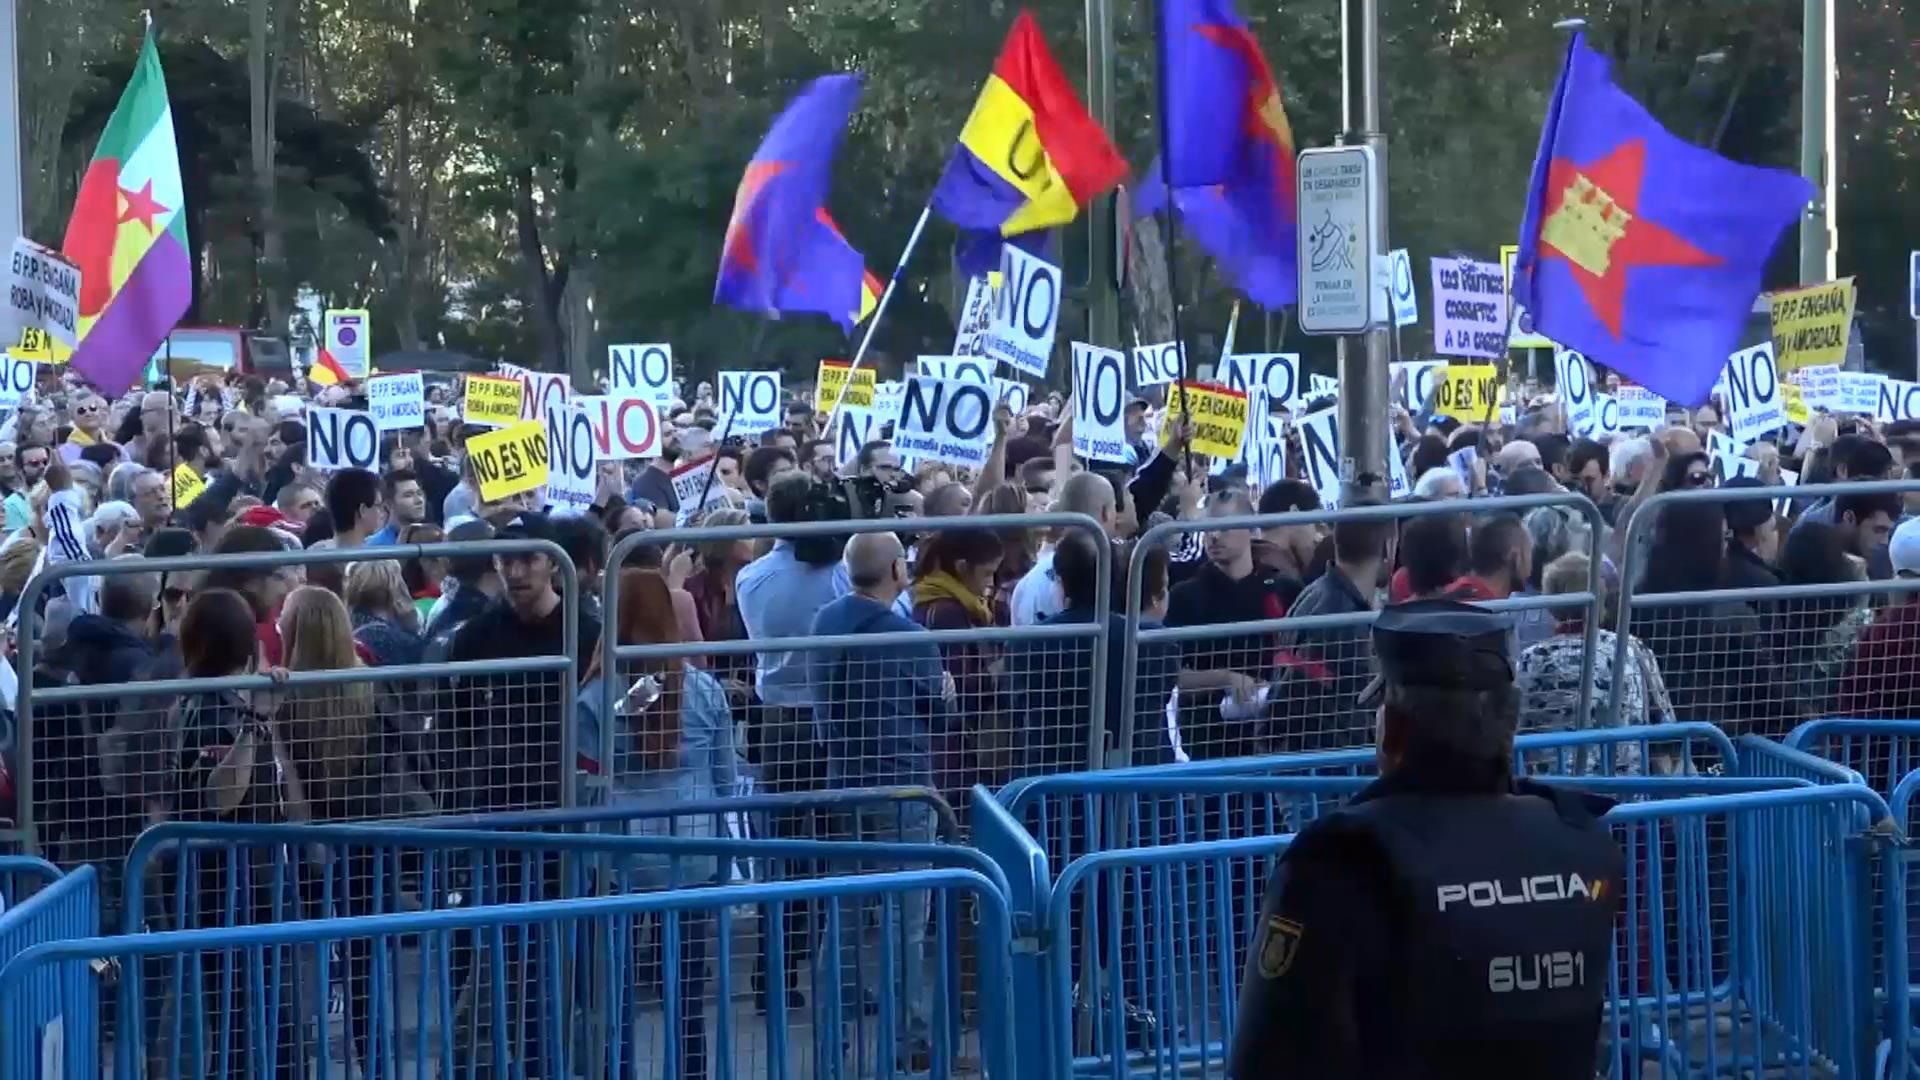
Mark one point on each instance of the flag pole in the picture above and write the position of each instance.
(1172, 208)
(879, 310)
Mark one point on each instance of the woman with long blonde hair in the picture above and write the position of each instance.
(672, 741)
(330, 727)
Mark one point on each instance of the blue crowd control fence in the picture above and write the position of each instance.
(1882, 751)
(1744, 944)
(851, 810)
(93, 766)
(1900, 920)
(224, 876)
(526, 967)
(66, 907)
(23, 875)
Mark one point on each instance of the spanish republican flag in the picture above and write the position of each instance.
(1030, 155)
(128, 235)
(870, 284)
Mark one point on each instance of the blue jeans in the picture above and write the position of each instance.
(907, 982)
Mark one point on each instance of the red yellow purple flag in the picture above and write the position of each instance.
(128, 235)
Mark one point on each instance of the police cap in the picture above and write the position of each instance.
(1442, 644)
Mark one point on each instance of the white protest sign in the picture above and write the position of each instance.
(1606, 415)
(1899, 400)
(397, 402)
(1025, 312)
(1416, 388)
(749, 401)
(1819, 386)
(1399, 484)
(1640, 407)
(1099, 403)
(1158, 365)
(1469, 308)
(1277, 374)
(1784, 505)
(1859, 392)
(624, 429)
(971, 369)
(1406, 304)
(644, 371)
(690, 477)
(1462, 461)
(1719, 445)
(1573, 380)
(539, 389)
(975, 316)
(1753, 393)
(857, 428)
(945, 420)
(571, 456)
(341, 439)
(886, 401)
(1322, 385)
(1320, 453)
(43, 293)
(16, 380)
(1267, 456)
(1012, 393)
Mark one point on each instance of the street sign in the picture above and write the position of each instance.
(1339, 188)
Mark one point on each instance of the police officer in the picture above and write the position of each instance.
(1450, 921)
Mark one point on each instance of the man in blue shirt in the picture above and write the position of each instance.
(877, 710)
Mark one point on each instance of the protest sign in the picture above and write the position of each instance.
(1784, 505)
(1793, 403)
(1606, 415)
(1731, 466)
(1322, 385)
(43, 293)
(749, 401)
(571, 457)
(1470, 393)
(17, 377)
(971, 369)
(1753, 394)
(945, 420)
(38, 346)
(1026, 310)
(1099, 403)
(1573, 381)
(1811, 326)
(856, 428)
(341, 439)
(1416, 381)
(187, 485)
(642, 371)
(540, 390)
(1462, 461)
(976, 315)
(625, 428)
(689, 478)
(1158, 365)
(1640, 407)
(1406, 303)
(830, 386)
(1722, 445)
(1859, 392)
(1523, 336)
(1819, 388)
(511, 460)
(1278, 374)
(492, 400)
(349, 338)
(1899, 400)
(1219, 417)
(1267, 452)
(886, 401)
(1469, 308)
(1012, 393)
(397, 402)
(1320, 453)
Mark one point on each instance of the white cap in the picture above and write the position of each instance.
(1903, 551)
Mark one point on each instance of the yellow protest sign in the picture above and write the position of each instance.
(38, 346)
(511, 460)
(1219, 417)
(1811, 326)
(832, 383)
(493, 400)
(1469, 392)
(187, 485)
(1793, 401)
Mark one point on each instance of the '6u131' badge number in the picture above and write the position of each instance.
(1280, 945)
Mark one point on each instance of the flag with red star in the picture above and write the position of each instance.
(128, 235)
(781, 253)
(1229, 149)
(1639, 249)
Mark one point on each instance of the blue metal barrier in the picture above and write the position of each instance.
(1881, 751)
(432, 975)
(700, 816)
(67, 908)
(23, 875)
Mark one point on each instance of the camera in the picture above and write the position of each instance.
(859, 498)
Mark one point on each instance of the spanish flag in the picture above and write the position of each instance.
(326, 371)
(1030, 155)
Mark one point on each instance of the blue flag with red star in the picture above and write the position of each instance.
(1229, 149)
(782, 253)
(1638, 248)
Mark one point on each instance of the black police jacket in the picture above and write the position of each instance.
(1434, 929)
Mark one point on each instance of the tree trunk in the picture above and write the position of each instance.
(266, 40)
(544, 289)
(1147, 281)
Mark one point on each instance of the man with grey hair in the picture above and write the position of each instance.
(1439, 484)
(877, 710)
(118, 644)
